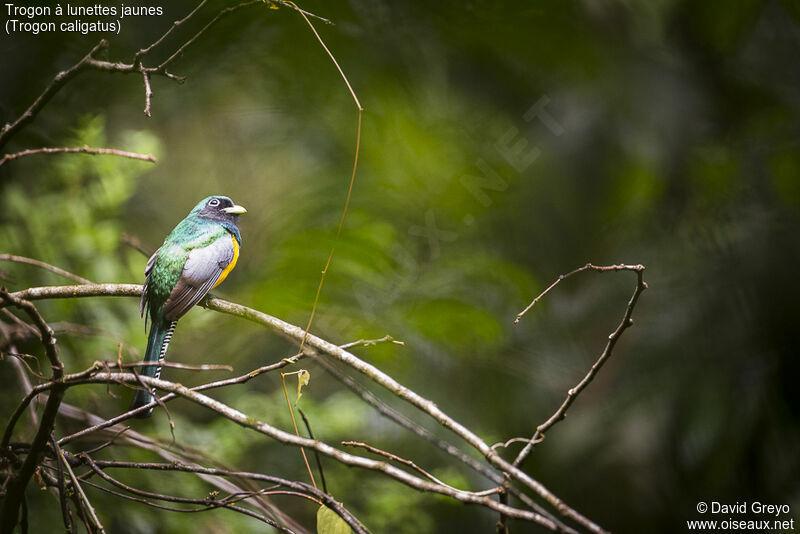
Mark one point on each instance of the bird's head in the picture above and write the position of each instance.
(218, 208)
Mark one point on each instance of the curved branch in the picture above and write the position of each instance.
(573, 393)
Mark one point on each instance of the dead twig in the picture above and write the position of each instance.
(46, 266)
(573, 393)
(98, 527)
(85, 149)
(587, 267)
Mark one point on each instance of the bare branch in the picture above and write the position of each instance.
(336, 63)
(85, 149)
(372, 342)
(587, 267)
(148, 91)
(162, 68)
(66, 513)
(145, 51)
(43, 265)
(98, 527)
(412, 465)
(505, 444)
(352, 175)
(316, 453)
(573, 393)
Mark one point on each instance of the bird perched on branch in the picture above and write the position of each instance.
(195, 258)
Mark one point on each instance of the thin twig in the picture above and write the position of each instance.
(85, 149)
(502, 522)
(352, 175)
(410, 464)
(505, 444)
(587, 267)
(66, 513)
(371, 342)
(292, 5)
(46, 266)
(148, 91)
(84, 499)
(162, 68)
(173, 365)
(573, 393)
(135, 243)
(316, 452)
(297, 432)
(145, 51)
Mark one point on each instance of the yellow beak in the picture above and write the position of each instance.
(235, 210)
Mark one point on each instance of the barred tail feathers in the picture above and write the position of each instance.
(157, 343)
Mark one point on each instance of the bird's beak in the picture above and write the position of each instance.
(235, 210)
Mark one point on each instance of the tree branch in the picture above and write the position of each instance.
(85, 149)
(573, 393)
(97, 526)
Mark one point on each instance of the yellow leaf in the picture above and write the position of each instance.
(303, 378)
(328, 522)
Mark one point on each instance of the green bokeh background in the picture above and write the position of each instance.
(671, 140)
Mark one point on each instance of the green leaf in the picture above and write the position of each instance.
(303, 377)
(328, 522)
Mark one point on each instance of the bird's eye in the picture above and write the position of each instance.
(214, 202)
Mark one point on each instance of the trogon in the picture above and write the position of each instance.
(196, 257)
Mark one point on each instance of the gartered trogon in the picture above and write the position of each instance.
(196, 257)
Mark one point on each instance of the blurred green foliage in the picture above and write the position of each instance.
(678, 149)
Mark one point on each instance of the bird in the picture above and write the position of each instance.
(197, 256)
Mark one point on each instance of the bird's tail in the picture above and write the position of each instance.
(157, 343)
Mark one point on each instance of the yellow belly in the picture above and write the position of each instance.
(232, 264)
